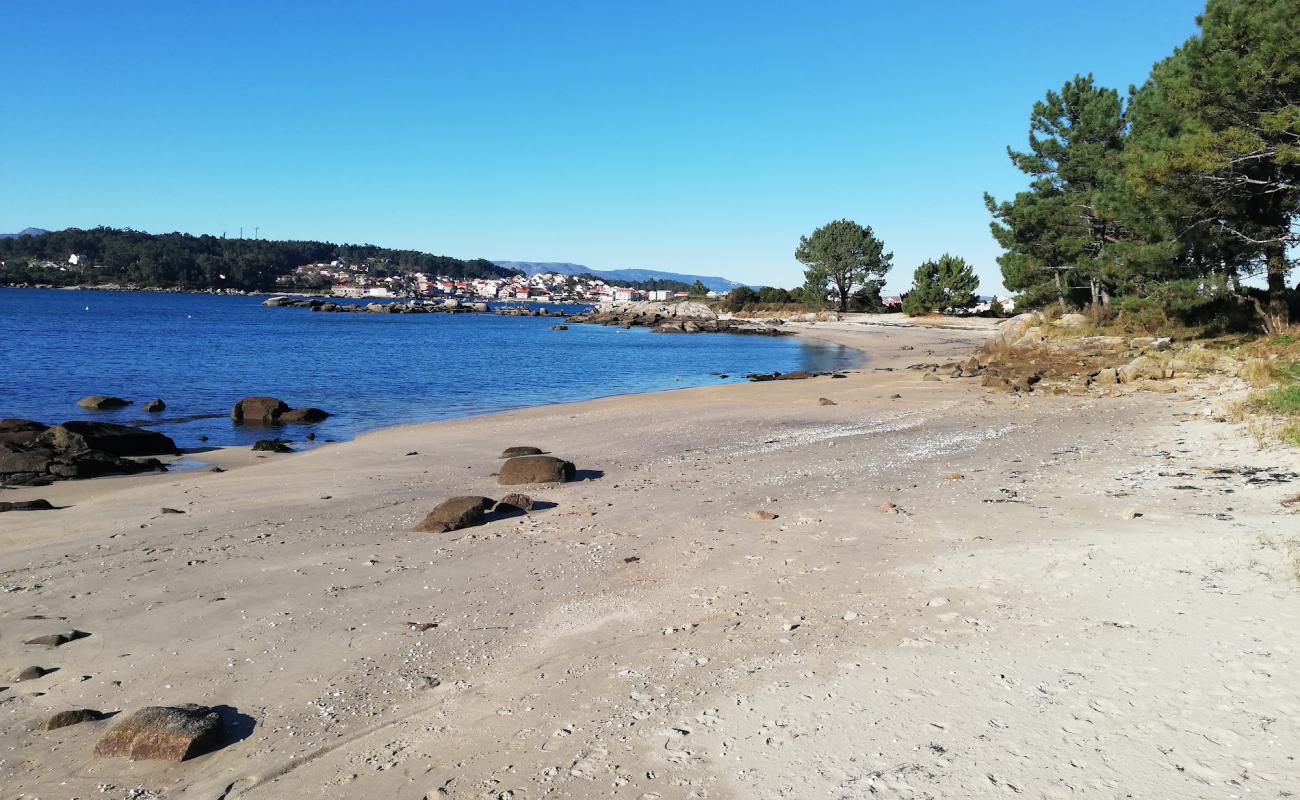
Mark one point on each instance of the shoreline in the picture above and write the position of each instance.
(235, 457)
(940, 558)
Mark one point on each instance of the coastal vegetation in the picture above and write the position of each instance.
(946, 284)
(181, 260)
(1167, 201)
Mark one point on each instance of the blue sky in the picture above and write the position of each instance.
(700, 137)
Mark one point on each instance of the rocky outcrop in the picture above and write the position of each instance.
(455, 513)
(79, 449)
(688, 317)
(525, 311)
(20, 431)
(119, 440)
(162, 733)
(155, 405)
(413, 307)
(271, 446)
(535, 469)
(101, 402)
(798, 375)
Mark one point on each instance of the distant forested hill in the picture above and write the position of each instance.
(180, 260)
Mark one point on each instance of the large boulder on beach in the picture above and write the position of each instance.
(259, 410)
(535, 469)
(20, 431)
(455, 513)
(308, 414)
(162, 733)
(102, 402)
(80, 436)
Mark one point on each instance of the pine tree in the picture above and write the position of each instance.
(948, 283)
(839, 257)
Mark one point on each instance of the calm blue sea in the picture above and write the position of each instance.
(201, 353)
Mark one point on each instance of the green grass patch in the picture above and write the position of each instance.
(1283, 400)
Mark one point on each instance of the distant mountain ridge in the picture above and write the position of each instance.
(24, 232)
(714, 282)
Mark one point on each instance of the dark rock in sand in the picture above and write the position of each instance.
(259, 410)
(74, 716)
(454, 514)
(155, 405)
(535, 469)
(271, 446)
(513, 503)
(101, 402)
(58, 639)
(515, 452)
(20, 431)
(798, 375)
(26, 505)
(41, 464)
(308, 414)
(118, 440)
(164, 733)
(32, 673)
(825, 401)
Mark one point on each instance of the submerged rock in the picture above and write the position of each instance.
(259, 410)
(102, 402)
(271, 446)
(155, 405)
(308, 414)
(163, 733)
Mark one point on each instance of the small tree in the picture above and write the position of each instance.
(739, 297)
(840, 256)
(698, 289)
(948, 283)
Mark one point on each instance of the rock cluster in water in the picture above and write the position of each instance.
(413, 307)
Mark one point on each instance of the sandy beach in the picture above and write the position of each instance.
(962, 594)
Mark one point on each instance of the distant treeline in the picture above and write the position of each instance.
(180, 260)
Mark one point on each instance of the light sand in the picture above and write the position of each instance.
(1006, 632)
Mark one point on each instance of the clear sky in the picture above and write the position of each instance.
(699, 137)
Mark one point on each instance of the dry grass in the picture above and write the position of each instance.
(1258, 372)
